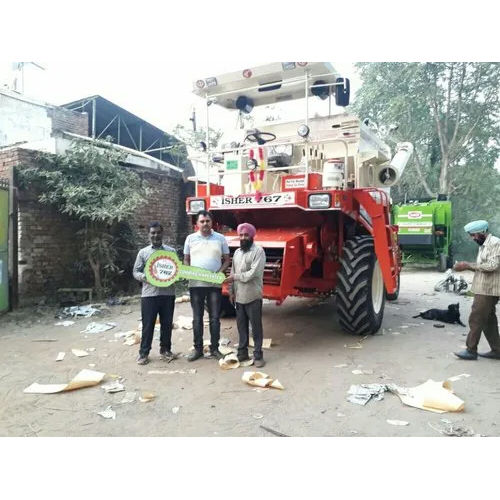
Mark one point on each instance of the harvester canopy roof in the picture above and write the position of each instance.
(267, 84)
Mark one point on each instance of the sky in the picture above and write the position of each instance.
(160, 92)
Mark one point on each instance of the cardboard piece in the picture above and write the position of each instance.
(230, 362)
(84, 378)
(79, 353)
(266, 343)
(260, 379)
(432, 396)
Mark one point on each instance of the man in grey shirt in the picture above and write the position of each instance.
(246, 279)
(154, 301)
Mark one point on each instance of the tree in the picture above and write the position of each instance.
(90, 183)
(449, 111)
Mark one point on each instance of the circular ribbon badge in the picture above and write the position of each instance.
(162, 268)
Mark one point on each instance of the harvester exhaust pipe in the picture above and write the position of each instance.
(389, 174)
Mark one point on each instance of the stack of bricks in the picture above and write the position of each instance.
(69, 121)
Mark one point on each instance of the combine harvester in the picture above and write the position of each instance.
(317, 190)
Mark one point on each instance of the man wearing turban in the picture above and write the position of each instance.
(486, 289)
(246, 286)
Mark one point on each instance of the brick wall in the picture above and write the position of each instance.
(48, 246)
(69, 121)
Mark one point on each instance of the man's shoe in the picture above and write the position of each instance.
(195, 355)
(142, 360)
(490, 354)
(259, 363)
(466, 354)
(216, 354)
(243, 357)
(167, 356)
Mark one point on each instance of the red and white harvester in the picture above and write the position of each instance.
(317, 190)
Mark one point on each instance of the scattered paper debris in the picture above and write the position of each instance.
(98, 327)
(458, 377)
(175, 410)
(75, 311)
(343, 365)
(129, 397)
(124, 335)
(183, 298)
(60, 356)
(266, 343)
(114, 386)
(396, 333)
(361, 394)
(260, 379)
(248, 362)
(258, 416)
(224, 341)
(340, 415)
(44, 340)
(185, 322)
(79, 353)
(224, 350)
(134, 339)
(108, 413)
(432, 396)
(92, 365)
(84, 378)
(91, 349)
(147, 397)
(397, 422)
(362, 372)
(65, 323)
(230, 362)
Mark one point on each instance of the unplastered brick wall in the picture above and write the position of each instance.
(166, 204)
(48, 247)
(69, 121)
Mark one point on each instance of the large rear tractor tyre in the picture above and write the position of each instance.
(360, 287)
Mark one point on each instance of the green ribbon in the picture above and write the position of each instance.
(164, 268)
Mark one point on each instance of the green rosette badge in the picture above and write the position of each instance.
(164, 268)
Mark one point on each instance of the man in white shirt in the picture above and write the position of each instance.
(246, 279)
(486, 289)
(209, 250)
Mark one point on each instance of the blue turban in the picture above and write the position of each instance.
(477, 226)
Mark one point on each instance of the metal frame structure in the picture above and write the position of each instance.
(127, 129)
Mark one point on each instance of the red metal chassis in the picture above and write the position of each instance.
(304, 246)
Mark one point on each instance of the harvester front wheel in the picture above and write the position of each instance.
(360, 287)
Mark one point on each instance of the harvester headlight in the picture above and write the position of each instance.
(196, 205)
(303, 130)
(319, 200)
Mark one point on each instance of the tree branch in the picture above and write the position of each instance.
(459, 105)
(418, 166)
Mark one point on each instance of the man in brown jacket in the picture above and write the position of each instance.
(486, 289)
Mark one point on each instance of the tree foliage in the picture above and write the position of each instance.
(89, 183)
(450, 112)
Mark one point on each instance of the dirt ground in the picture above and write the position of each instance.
(307, 344)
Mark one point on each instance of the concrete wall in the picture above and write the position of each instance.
(25, 120)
